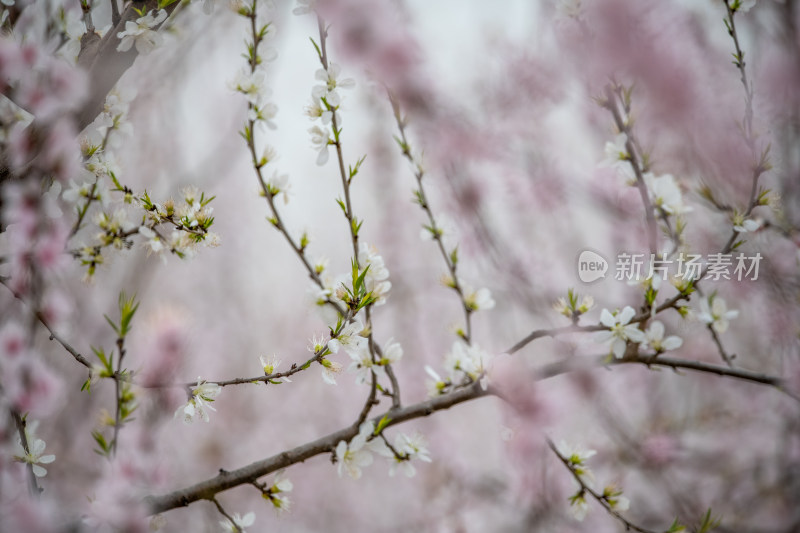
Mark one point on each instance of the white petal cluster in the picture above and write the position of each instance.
(239, 523)
(355, 455)
(35, 454)
(408, 447)
(200, 401)
(616, 151)
(325, 100)
(141, 33)
(620, 331)
(464, 364)
(253, 85)
(478, 300)
(276, 492)
(304, 7)
(349, 338)
(744, 224)
(252, 81)
(98, 191)
(654, 338)
(377, 278)
(331, 82)
(320, 140)
(665, 193)
(714, 311)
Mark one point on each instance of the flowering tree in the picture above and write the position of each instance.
(629, 321)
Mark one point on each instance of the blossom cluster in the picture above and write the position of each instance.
(251, 81)
(464, 364)
(356, 454)
(143, 32)
(576, 460)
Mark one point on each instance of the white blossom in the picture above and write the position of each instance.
(362, 364)
(253, 85)
(577, 456)
(654, 337)
(478, 300)
(349, 338)
(377, 276)
(619, 503)
(304, 7)
(34, 456)
(468, 359)
(320, 141)
(579, 507)
(141, 34)
(391, 352)
(264, 113)
(436, 385)
(280, 485)
(316, 111)
(616, 151)
(410, 447)
(269, 364)
(279, 184)
(332, 82)
(201, 397)
(329, 371)
(714, 311)
(153, 242)
(665, 193)
(746, 225)
(239, 522)
(620, 331)
(355, 455)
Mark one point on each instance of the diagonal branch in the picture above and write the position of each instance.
(105, 64)
(206, 490)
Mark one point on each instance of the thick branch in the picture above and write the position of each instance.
(206, 490)
(106, 65)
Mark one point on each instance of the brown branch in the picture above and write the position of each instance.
(20, 423)
(553, 332)
(634, 159)
(207, 490)
(436, 233)
(600, 499)
(105, 64)
(737, 373)
(53, 335)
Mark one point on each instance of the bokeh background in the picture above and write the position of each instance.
(500, 98)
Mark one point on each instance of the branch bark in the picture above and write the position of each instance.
(105, 64)
(206, 490)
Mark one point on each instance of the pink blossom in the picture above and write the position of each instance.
(31, 386)
(12, 340)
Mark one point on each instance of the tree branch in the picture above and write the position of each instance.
(206, 490)
(106, 65)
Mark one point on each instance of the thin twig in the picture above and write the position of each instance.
(634, 159)
(599, 497)
(226, 515)
(436, 231)
(19, 422)
(53, 335)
